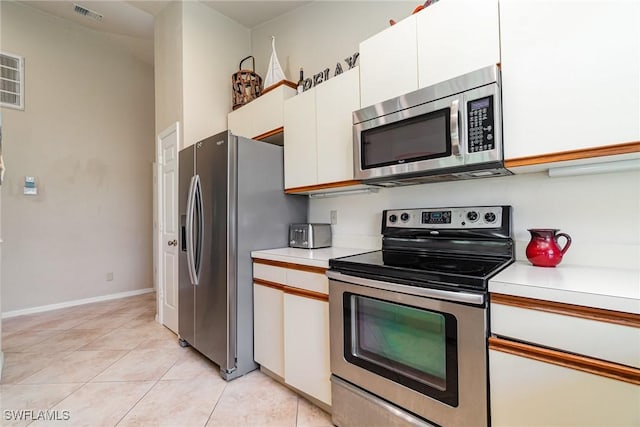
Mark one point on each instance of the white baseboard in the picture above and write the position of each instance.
(1, 363)
(73, 303)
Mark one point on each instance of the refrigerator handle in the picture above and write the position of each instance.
(199, 208)
(189, 229)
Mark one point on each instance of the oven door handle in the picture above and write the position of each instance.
(463, 297)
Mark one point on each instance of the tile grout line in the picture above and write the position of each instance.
(147, 392)
(297, 410)
(217, 402)
(137, 401)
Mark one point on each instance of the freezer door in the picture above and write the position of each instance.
(186, 307)
(212, 321)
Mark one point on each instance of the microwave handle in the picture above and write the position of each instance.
(455, 128)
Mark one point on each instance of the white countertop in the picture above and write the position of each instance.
(607, 288)
(312, 257)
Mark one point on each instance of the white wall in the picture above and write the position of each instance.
(211, 46)
(87, 135)
(168, 67)
(600, 212)
(317, 35)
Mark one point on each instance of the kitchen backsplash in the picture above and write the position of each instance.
(600, 212)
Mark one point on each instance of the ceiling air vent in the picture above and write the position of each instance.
(11, 81)
(87, 12)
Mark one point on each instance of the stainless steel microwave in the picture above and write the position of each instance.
(449, 131)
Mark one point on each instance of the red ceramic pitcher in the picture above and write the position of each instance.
(543, 250)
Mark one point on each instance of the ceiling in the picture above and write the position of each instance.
(130, 23)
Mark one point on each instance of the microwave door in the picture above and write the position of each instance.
(416, 140)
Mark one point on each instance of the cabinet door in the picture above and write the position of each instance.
(389, 63)
(261, 115)
(268, 336)
(336, 100)
(527, 392)
(306, 346)
(567, 87)
(300, 158)
(456, 37)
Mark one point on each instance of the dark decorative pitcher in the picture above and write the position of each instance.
(543, 250)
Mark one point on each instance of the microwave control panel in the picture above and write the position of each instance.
(481, 125)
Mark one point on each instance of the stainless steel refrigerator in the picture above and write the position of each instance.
(231, 201)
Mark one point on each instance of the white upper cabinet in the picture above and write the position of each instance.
(456, 37)
(443, 41)
(262, 115)
(335, 126)
(300, 158)
(389, 63)
(318, 147)
(569, 75)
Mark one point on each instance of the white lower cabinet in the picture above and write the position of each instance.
(306, 346)
(557, 364)
(291, 326)
(528, 392)
(268, 328)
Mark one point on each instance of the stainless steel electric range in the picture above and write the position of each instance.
(409, 323)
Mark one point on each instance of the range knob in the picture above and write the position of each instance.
(393, 218)
(489, 217)
(404, 217)
(472, 216)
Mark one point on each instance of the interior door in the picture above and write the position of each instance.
(169, 227)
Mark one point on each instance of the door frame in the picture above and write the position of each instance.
(158, 227)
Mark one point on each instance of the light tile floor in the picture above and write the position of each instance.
(110, 363)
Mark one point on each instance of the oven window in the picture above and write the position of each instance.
(418, 138)
(408, 345)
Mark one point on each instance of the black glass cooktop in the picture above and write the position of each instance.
(422, 269)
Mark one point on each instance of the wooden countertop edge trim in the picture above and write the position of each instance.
(290, 265)
(587, 153)
(268, 89)
(590, 313)
(306, 294)
(272, 132)
(292, 290)
(268, 284)
(317, 187)
(572, 361)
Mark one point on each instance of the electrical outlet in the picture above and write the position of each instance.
(334, 217)
(109, 277)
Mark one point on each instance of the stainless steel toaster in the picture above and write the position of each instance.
(309, 236)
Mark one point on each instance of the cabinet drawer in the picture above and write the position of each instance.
(602, 340)
(270, 273)
(314, 282)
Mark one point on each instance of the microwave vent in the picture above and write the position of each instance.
(454, 176)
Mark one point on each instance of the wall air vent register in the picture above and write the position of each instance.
(11, 81)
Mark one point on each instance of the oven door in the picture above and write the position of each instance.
(422, 138)
(411, 347)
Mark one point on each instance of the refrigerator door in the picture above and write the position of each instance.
(212, 321)
(186, 171)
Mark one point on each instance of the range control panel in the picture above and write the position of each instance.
(446, 218)
(480, 124)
